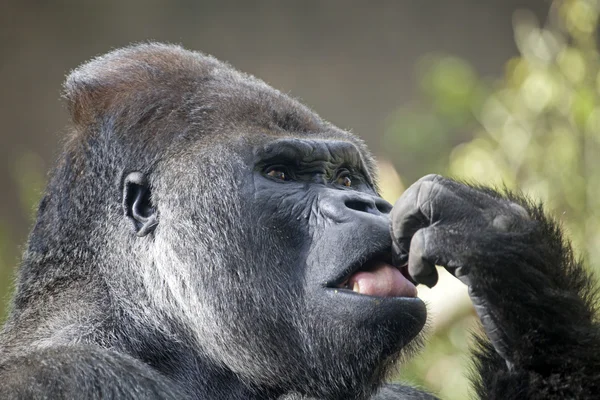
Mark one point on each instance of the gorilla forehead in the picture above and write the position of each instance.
(310, 150)
(155, 92)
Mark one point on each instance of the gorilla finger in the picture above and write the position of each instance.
(439, 245)
(483, 198)
(406, 215)
(420, 266)
(430, 177)
(400, 252)
(423, 204)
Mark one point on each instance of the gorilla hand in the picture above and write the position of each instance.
(438, 221)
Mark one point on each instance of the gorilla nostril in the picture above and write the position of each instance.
(369, 205)
(383, 206)
(358, 205)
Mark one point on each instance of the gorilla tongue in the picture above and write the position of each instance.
(382, 280)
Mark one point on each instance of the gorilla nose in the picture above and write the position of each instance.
(346, 206)
(372, 205)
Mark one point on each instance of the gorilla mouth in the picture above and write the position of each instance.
(377, 277)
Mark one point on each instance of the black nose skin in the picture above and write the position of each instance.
(344, 206)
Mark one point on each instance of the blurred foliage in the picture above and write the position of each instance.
(421, 136)
(536, 130)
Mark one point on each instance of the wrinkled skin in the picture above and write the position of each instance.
(204, 236)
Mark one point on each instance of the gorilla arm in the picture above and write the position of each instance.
(535, 301)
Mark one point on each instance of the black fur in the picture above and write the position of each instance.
(536, 301)
(195, 235)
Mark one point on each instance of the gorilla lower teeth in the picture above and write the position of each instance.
(356, 288)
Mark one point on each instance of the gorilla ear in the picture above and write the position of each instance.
(137, 205)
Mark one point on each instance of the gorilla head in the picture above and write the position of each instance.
(197, 208)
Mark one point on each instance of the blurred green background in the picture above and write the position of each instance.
(503, 92)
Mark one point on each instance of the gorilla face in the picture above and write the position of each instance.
(320, 192)
(286, 251)
(260, 230)
(355, 308)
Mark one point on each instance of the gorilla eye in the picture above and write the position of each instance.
(278, 174)
(344, 179)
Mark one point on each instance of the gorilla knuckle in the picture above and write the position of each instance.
(519, 210)
(431, 177)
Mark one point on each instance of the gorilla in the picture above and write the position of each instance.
(204, 236)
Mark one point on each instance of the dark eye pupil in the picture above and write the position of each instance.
(278, 174)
